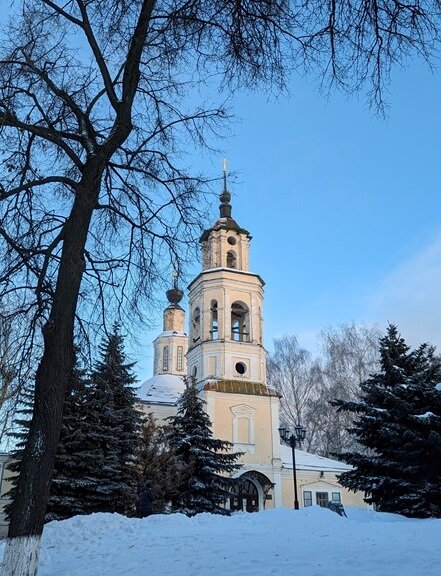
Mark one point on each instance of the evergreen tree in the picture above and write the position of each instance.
(95, 461)
(398, 420)
(202, 459)
(19, 435)
(71, 476)
(157, 468)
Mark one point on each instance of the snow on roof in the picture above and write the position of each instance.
(308, 461)
(170, 333)
(161, 389)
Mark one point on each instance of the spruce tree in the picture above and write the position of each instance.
(203, 461)
(71, 472)
(157, 467)
(19, 435)
(95, 468)
(398, 420)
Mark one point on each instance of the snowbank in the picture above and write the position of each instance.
(310, 542)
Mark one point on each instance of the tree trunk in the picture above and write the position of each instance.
(29, 506)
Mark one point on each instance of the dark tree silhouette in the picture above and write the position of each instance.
(203, 462)
(94, 465)
(398, 419)
(157, 467)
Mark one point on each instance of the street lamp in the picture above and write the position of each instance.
(292, 439)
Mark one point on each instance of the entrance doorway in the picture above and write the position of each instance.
(245, 497)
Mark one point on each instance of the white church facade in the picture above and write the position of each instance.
(223, 350)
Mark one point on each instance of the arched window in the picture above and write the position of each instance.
(214, 322)
(165, 359)
(196, 324)
(240, 322)
(179, 358)
(231, 259)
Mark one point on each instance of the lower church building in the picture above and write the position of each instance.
(223, 351)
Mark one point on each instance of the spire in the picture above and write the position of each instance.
(225, 197)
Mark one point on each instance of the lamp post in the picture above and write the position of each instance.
(292, 439)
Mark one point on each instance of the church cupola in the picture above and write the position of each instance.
(174, 315)
(226, 244)
(171, 345)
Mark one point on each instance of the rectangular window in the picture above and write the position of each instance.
(2, 467)
(336, 497)
(307, 498)
(165, 359)
(322, 499)
(156, 361)
(179, 358)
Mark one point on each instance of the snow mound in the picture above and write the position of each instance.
(309, 542)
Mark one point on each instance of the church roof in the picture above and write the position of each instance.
(308, 461)
(225, 221)
(170, 333)
(161, 389)
(240, 387)
(224, 224)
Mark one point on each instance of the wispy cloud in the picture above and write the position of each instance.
(410, 297)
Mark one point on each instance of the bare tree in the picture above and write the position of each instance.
(8, 359)
(9, 386)
(308, 386)
(349, 356)
(95, 115)
(293, 372)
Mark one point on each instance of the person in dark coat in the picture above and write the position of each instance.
(145, 501)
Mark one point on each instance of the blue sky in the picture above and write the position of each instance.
(344, 208)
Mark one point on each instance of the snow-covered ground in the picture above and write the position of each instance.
(311, 542)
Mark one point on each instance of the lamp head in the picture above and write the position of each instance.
(283, 433)
(300, 432)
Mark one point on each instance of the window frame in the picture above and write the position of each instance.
(165, 359)
(305, 492)
(214, 320)
(325, 499)
(180, 358)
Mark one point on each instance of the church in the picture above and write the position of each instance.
(223, 350)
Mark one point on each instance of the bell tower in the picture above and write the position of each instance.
(225, 302)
